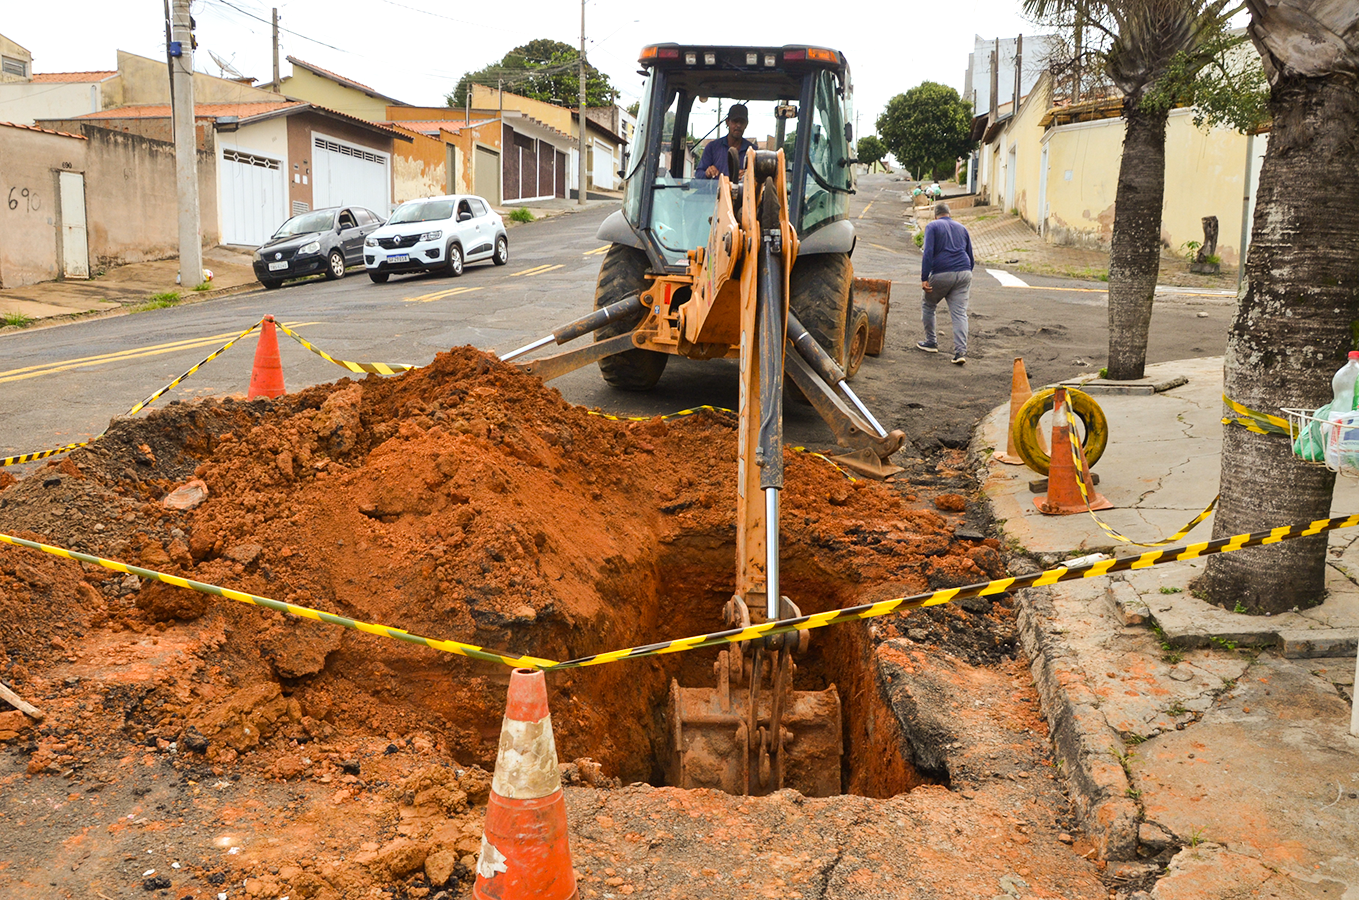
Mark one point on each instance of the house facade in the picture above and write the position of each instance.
(274, 160)
(90, 198)
(1056, 166)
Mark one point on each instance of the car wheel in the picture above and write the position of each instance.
(271, 284)
(502, 251)
(378, 277)
(335, 266)
(453, 268)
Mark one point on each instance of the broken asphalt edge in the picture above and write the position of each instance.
(1088, 750)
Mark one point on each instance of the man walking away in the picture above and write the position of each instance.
(946, 274)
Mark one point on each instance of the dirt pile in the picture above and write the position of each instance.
(463, 500)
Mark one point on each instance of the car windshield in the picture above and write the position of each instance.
(307, 223)
(422, 211)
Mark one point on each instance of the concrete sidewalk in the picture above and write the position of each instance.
(126, 286)
(1207, 753)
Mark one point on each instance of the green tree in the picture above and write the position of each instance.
(871, 150)
(1295, 320)
(543, 69)
(1152, 51)
(927, 128)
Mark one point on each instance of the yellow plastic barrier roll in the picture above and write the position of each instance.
(1083, 406)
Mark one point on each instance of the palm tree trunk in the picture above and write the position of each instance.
(1135, 255)
(1293, 326)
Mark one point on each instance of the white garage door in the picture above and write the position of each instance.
(252, 197)
(348, 175)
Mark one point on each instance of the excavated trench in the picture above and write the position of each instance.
(466, 501)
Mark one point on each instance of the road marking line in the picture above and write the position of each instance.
(27, 372)
(440, 295)
(866, 209)
(1005, 278)
(881, 247)
(528, 271)
(539, 270)
(597, 250)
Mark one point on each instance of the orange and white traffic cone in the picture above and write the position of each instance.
(266, 378)
(1068, 489)
(1020, 392)
(524, 849)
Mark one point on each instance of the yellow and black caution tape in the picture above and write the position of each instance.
(370, 368)
(737, 635)
(949, 595)
(43, 454)
(821, 456)
(1253, 420)
(1078, 459)
(457, 647)
(674, 415)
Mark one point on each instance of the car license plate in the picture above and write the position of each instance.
(399, 257)
(277, 266)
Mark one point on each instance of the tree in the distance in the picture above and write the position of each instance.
(871, 150)
(544, 70)
(1294, 323)
(927, 128)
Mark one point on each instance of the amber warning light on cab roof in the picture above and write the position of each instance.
(653, 53)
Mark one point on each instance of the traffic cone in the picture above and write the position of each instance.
(266, 378)
(1020, 392)
(524, 851)
(1064, 496)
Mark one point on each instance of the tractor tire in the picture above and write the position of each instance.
(820, 299)
(623, 273)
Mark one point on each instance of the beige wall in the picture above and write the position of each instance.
(558, 117)
(130, 200)
(23, 102)
(130, 203)
(313, 88)
(14, 51)
(146, 82)
(419, 169)
(29, 162)
(1205, 176)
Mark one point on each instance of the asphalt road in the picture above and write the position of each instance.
(62, 384)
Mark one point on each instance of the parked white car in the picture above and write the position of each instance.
(436, 233)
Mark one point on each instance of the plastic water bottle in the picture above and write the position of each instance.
(1342, 444)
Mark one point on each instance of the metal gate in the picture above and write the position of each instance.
(487, 175)
(253, 199)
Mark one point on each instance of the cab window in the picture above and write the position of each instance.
(828, 181)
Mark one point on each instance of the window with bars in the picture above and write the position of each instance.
(11, 66)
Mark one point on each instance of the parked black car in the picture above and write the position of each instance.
(323, 240)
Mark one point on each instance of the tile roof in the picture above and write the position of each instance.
(430, 126)
(79, 137)
(335, 76)
(72, 77)
(201, 110)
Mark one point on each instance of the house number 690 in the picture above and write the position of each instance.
(30, 200)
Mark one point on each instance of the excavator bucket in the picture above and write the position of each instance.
(711, 743)
(873, 295)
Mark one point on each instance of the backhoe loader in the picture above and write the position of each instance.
(756, 267)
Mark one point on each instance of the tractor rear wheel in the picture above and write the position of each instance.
(820, 298)
(622, 274)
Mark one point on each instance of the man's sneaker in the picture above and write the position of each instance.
(927, 347)
(959, 359)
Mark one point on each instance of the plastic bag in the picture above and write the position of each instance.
(1310, 444)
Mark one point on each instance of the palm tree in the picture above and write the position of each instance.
(1146, 42)
(1297, 317)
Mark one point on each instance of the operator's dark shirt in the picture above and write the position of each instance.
(715, 154)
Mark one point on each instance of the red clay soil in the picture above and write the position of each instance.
(197, 747)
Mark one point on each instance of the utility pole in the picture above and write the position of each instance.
(581, 147)
(276, 80)
(186, 145)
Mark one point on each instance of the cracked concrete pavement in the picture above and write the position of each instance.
(1208, 750)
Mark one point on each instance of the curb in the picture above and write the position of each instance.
(1087, 747)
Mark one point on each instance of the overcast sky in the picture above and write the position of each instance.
(415, 50)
